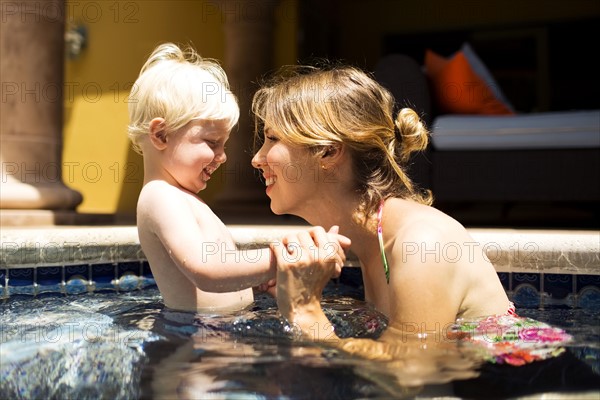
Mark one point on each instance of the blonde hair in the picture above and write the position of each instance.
(179, 85)
(319, 107)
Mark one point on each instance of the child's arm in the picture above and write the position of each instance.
(200, 245)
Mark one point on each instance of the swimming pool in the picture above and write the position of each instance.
(99, 330)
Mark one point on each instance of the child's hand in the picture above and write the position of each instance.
(269, 287)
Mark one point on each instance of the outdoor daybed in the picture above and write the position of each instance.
(502, 157)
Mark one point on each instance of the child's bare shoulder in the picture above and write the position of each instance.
(160, 199)
(161, 191)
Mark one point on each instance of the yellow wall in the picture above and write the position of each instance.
(97, 157)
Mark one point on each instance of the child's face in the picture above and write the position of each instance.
(195, 151)
(291, 174)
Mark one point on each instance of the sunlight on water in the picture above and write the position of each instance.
(128, 346)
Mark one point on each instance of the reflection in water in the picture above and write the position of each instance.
(127, 346)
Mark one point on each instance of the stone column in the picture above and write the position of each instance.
(31, 73)
(248, 56)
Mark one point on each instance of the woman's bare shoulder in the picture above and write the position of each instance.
(411, 220)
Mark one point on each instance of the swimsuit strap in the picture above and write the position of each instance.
(386, 267)
(511, 309)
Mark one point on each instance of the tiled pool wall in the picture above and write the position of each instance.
(536, 268)
(532, 290)
(76, 279)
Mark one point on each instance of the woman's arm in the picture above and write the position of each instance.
(306, 261)
(411, 358)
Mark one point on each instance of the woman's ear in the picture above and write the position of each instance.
(158, 133)
(332, 153)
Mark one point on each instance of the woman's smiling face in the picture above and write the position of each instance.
(291, 174)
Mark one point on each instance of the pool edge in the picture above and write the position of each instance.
(510, 250)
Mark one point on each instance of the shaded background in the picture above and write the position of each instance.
(541, 52)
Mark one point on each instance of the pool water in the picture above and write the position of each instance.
(126, 345)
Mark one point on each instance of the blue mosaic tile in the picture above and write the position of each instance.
(130, 267)
(588, 291)
(21, 281)
(49, 279)
(505, 280)
(146, 271)
(128, 274)
(526, 290)
(3, 292)
(128, 282)
(77, 285)
(20, 277)
(49, 275)
(77, 271)
(526, 296)
(558, 286)
(532, 280)
(77, 279)
(589, 298)
(146, 279)
(587, 280)
(103, 276)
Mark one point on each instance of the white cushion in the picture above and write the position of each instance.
(548, 130)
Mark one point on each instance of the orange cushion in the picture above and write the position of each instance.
(457, 89)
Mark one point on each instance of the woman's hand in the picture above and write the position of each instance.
(306, 261)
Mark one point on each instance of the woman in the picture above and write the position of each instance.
(334, 153)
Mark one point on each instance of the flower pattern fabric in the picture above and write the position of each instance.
(511, 339)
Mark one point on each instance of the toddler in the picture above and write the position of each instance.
(181, 112)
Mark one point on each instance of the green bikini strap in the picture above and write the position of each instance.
(386, 267)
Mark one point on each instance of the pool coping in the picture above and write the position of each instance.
(510, 250)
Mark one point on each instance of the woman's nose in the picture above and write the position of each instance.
(258, 161)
